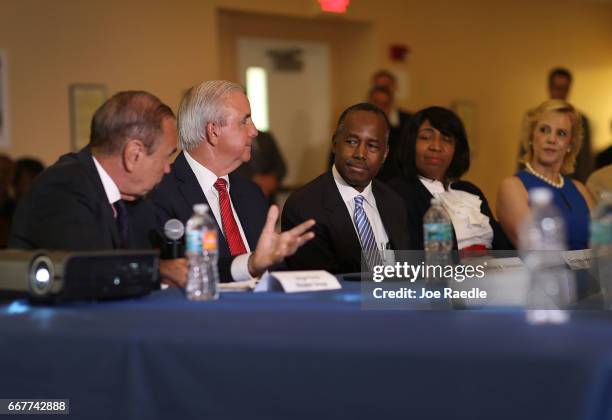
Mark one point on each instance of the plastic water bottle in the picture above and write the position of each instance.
(201, 251)
(437, 237)
(542, 239)
(601, 245)
(544, 229)
(437, 228)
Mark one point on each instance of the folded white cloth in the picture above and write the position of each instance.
(471, 226)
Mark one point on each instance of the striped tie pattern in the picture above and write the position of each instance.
(366, 234)
(230, 227)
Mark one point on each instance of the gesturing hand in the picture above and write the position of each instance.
(272, 246)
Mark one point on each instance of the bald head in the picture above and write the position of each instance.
(128, 115)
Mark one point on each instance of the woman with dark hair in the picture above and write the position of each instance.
(433, 156)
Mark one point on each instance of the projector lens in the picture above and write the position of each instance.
(41, 275)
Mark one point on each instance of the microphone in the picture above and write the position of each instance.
(173, 247)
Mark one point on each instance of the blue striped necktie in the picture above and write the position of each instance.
(366, 235)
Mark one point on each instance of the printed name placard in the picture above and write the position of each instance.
(581, 259)
(298, 281)
(496, 264)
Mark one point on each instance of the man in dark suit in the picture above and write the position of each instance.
(382, 97)
(355, 213)
(92, 200)
(267, 166)
(216, 133)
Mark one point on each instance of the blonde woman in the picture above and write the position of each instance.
(552, 137)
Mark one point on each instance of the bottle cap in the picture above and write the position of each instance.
(540, 196)
(200, 208)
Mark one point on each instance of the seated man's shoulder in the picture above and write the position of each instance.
(248, 192)
(67, 172)
(387, 189)
(307, 194)
(244, 184)
(168, 184)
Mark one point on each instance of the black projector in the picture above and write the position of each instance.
(50, 276)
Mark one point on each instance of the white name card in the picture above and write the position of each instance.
(581, 259)
(298, 281)
(503, 264)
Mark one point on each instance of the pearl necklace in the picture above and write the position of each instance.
(543, 178)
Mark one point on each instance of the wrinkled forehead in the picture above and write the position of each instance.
(360, 120)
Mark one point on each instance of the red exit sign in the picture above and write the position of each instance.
(334, 6)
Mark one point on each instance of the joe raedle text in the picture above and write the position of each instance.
(425, 293)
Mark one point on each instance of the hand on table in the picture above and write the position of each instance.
(174, 272)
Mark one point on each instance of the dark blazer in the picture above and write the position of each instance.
(266, 158)
(179, 190)
(390, 168)
(67, 209)
(336, 246)
(418, 199)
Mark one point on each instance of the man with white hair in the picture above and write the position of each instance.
(215, 133)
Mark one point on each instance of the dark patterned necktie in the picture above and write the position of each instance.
(122, 223)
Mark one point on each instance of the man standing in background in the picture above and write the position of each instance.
(267, 168)
(382, 94)
(559, 84)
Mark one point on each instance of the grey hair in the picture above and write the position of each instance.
(202, 104)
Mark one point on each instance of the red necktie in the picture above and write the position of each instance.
(230, 227)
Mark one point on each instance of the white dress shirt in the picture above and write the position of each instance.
(394, 117)
(206, 179)
(111, 189)
(348, 194)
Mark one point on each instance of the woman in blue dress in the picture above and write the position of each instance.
(552, 137)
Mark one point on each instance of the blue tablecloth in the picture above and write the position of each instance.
(310, 356)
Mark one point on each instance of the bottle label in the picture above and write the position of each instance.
(194, 242)
(438, 232)
(209, 240)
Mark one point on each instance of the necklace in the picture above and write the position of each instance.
(543, 178)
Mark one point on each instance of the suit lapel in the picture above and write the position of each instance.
(389, 219)
(192, 193)
(341, 224)
(108, 216)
